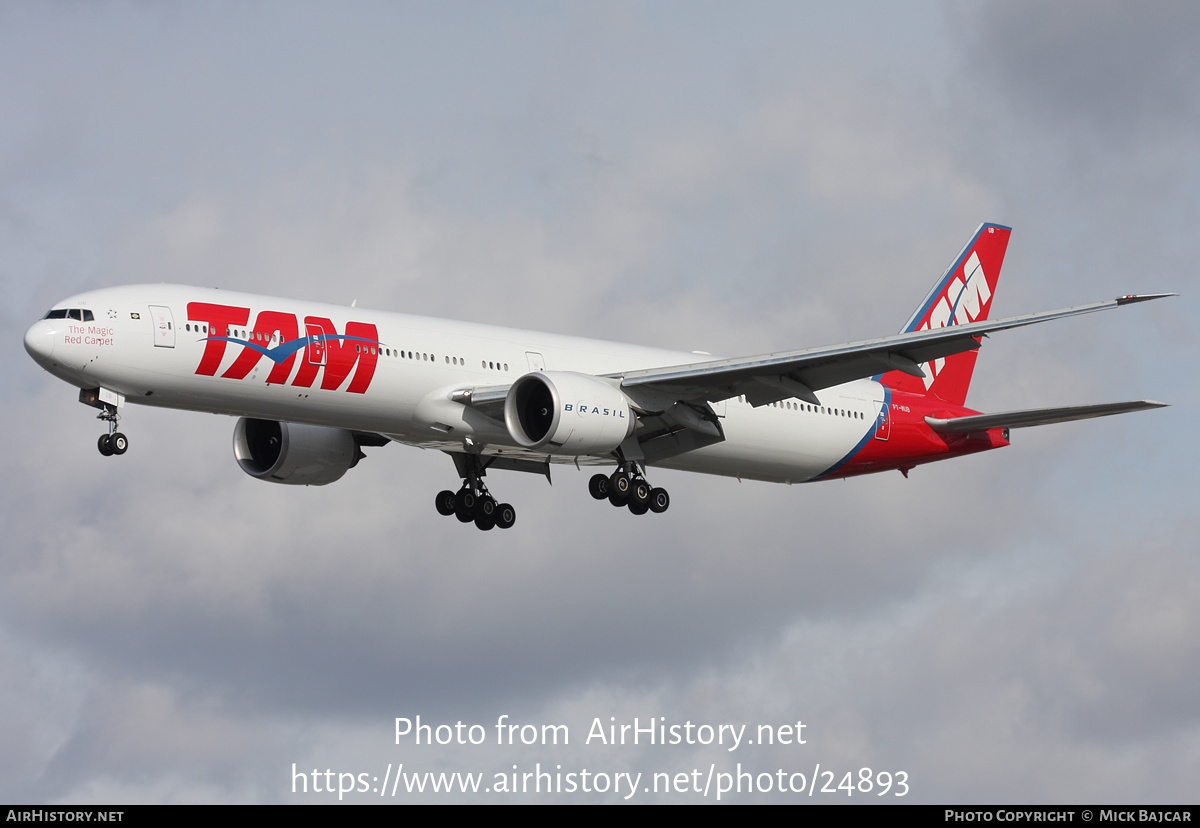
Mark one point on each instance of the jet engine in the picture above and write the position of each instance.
(304, 455)
(562, 412)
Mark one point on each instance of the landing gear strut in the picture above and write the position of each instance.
(473, 503)
(114, 442)
(627, 486)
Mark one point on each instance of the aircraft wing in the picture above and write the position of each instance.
(1036, 416)
(771, 377)
(673, 400)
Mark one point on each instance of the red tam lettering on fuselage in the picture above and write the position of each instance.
(359, 347)
(323, 348)
(338, 354)
(266, 324)
(217, 319)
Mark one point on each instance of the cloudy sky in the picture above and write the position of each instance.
(1020, 626)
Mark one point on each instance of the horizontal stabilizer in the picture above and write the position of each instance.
(1036, 416)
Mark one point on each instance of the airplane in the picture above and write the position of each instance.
(314, 384)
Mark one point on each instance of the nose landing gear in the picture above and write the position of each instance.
(114, 442)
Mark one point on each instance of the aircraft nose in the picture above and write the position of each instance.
(39, 342)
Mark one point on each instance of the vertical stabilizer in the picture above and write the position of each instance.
(963, 294)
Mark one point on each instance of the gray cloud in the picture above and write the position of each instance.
(1114, 73)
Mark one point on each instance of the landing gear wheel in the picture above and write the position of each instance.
(464, 507)
(619, 484)
(506, 516)
(487, 508)
(446, 502)
(638, 508)
(598, 486)
(484, 522)
(118, 442)
(640, 493)
(105, 445)
(659, 501)
(466, 501)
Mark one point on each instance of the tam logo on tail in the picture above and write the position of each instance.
(960, 304)
(962, 295)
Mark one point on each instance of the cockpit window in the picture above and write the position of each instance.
(78, 314)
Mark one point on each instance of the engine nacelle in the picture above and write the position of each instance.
(303, 455)
(561, 412)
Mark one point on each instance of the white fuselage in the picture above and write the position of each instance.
(134, 348)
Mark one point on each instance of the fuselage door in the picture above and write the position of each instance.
(317, 349)
(883, 421)
(164, 326)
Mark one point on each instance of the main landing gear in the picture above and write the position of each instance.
(473, 502)
(628, 487)
(114, 442)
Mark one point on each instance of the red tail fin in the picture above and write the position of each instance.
(962, 295)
